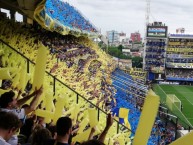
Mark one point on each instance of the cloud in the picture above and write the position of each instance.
(129, 15)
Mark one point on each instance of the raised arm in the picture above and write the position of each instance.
(34, 102)
(105, 131)
(25, 99)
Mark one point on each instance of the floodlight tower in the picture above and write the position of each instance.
(147, 15)
(147, 11)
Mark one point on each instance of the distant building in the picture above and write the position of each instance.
(126, 52)
(136, 37)
(122, 37)
(113, 37)
(136, 54)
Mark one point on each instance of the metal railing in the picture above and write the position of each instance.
(55, 80)
(163, 112)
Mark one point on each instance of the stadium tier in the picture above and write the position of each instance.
(59, 85)
(168, 58)
(179, 58)
(155, 48)
(155, 55)
(63, 18)
(131, 97)
(64, 50)
(72, 106)
(70, 57)
(179, 75)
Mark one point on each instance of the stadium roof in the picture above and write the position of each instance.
(25, 7)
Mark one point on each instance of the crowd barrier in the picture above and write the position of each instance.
(55, 84)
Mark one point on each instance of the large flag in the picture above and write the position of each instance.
(123, 115)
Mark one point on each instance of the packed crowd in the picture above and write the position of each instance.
(155, 53)
(34, 123)
(155, 49)
(155, 62)
(76, 61)
(92, 88)
(134, 100)
(66, 48)
(155, 56)
(89, 80)
(179, 73)
(19, 124)
(165, 134)
(68, 15)
(153, 43)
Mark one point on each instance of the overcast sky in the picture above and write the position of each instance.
(129, 15)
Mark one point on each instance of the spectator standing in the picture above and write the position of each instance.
(9, 103)
(63, 130)
(9, 124)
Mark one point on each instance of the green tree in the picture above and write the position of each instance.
(120, 47)
(100, 44)
(137, 62)
(114, 51)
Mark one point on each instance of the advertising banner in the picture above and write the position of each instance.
(179, 49)
(157, 31)
(168, 83)
(185, 55)
(157, 69)
(179, 65)
(179, 79)
(180, 42)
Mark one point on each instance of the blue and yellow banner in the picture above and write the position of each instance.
(123, 116)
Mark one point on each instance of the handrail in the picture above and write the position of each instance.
(130, 84)
(129, 92)
(99, 109)
(133, 81)
(128, 79)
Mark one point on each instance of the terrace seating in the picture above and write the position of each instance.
(66, 51)
(68, 15)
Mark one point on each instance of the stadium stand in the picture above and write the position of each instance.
(179, 74)
(104, 102)
(84, 68)
(41, 122)
(133, 99)
(10, 59)
(77, 57)
(155, 54)
(68, 15)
